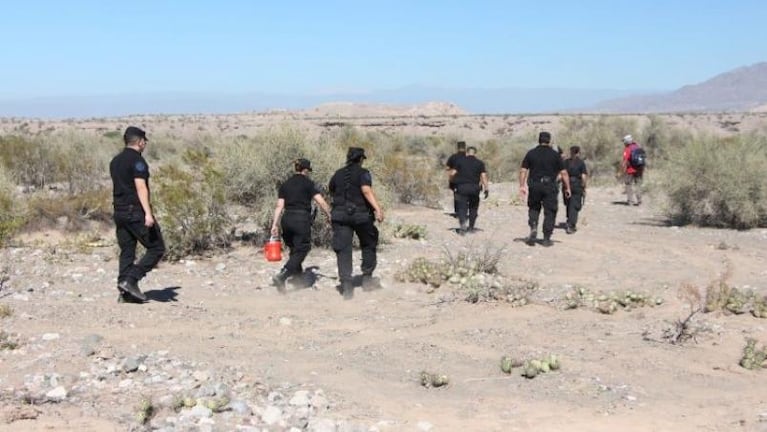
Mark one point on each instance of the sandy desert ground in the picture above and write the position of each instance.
(309, 360)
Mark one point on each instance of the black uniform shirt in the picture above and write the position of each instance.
(469, 170)
(124, 169)
(452, 161)
(357, 177)
(543, 162)
(575, 169)
(298, 192)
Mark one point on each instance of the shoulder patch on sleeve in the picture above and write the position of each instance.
(140, 166)
(367, 178)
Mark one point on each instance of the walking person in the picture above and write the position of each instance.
(134, 220)
(293, 213)
(450, 165)
(470, 178)
(538, 182)
(355, 211)
(632, 164)
(578, 174)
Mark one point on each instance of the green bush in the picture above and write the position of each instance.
(718, 182)
(190, 205)
(11, 215)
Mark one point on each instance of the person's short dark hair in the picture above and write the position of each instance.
(471, 150)
(355, 154)
(302, 164)
(544, 138)
(460, 145)
(575, 149)
(132, 134)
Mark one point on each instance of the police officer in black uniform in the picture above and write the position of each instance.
(470, 178)
(133, 215)
(538, 181)
(450, 165)
(355, 210)
(576, 170)
(294, 209)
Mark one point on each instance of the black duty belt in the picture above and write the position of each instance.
(126, 207)
(543, 180)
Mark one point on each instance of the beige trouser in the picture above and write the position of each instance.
(633, 184)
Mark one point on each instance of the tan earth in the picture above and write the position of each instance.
(617, 373)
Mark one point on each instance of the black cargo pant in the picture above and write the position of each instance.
(542, 193)
(297, 235)
(131, 230)
(573, 204)
(344, 227)
(467, 203)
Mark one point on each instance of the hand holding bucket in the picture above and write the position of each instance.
(273, 249)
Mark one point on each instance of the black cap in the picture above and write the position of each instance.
(132, 133)
(302, 164)
(544, 138)
(355, 154)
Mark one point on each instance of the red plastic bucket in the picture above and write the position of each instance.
(273, 250)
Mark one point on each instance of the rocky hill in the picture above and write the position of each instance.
(742, 89)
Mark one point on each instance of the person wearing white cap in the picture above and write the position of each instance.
(632, 164)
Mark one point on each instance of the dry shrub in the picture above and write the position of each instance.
(31, 163)
(718, 182)
(413, 179)
(81, 161)
(73, 211)
(190, 205)
(73, 161)
(5, 310)
(599, 139)
(11, 213)
(683, 330)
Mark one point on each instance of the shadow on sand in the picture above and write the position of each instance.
(164, 295)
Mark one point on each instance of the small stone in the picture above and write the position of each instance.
(285, 321)
(201, 375)
(319, 424)
(130, 364)
(271, 415)
(240, 407)
(200, 411)
(319, 401)
(50, 336)
(207, 390)
(220, 267)
(425, 426)
(59, 393)
(300, 398)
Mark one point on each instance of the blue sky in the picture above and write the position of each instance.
(54, 48)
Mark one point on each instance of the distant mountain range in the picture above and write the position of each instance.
(743, 89)
(485, 101)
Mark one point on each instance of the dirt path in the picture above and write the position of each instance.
(367, 353)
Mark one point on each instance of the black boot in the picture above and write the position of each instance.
(346, 288)
(130, 286)
(531, 239)
(279, 279)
